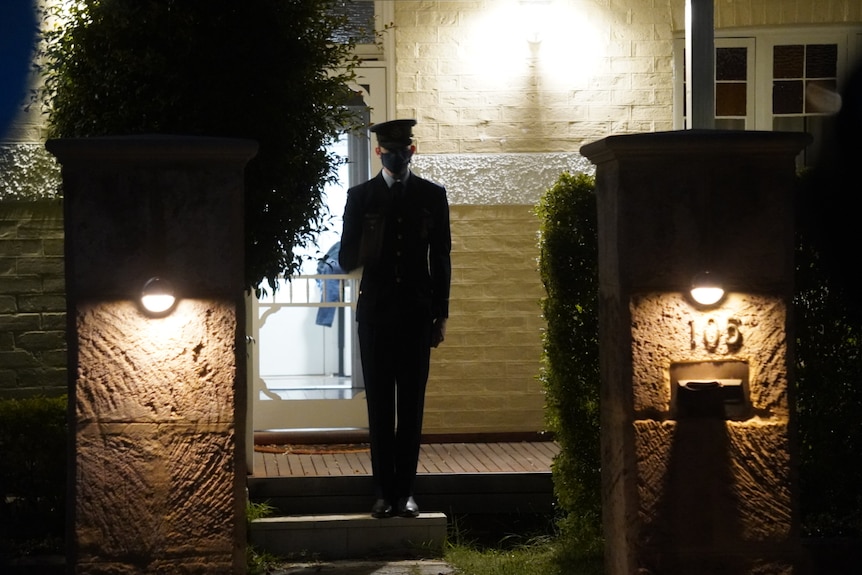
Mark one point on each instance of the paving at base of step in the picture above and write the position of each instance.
(397, 567)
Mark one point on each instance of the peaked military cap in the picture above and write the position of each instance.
(394, 134)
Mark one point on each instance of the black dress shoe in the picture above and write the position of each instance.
(381, 509)
(407, 507)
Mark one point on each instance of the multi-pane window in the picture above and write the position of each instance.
(777, 80)
(804, 88)
(799, 70)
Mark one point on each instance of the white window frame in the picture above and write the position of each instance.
(761, 43)
(766, 45)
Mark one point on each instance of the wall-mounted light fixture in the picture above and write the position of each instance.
(706, 289)
(536, 18)
(158, 296)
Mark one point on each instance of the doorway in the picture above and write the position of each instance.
(304, 368)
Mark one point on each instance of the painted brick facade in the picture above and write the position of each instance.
(468, 72)
(599, 62)
(484, 377)
(32, 299)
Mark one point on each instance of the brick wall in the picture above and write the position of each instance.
(468, 72)
(32, 299)
(484, 377)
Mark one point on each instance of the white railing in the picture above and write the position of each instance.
(332, 291)
(309, 291)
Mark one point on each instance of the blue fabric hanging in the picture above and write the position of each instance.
(329, 289)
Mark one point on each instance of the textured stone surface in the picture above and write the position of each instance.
(710, 495)
(495, 179)
(179, 368)
(712, 483)
(154, 492)
(723, 206)
(28, 172)
(666, 328)
(156, 438)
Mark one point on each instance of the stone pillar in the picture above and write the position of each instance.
(157, 404)
(697, 431)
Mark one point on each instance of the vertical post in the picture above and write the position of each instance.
(700, 64)
(157, 403)
(697, 441)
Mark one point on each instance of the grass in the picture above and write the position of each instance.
(517, 546)
(540, 557)
(536, 558)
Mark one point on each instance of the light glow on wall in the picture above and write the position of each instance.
(555, 40)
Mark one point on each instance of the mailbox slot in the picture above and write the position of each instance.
(716, 389)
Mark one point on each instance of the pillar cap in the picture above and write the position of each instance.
(696, 142)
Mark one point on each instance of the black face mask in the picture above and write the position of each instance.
(396, 162)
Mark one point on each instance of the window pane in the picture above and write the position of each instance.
(787, 61)
(730, 123)
(821, 60)
(730, 64)
(787, 97)
(360, 22)
(821, 97)
(792, 124)
(730, 99)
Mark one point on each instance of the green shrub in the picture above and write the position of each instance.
(570, 364)
(32, 468)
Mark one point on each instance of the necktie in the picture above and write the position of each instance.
(397, 189)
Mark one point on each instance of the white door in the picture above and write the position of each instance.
(304, 370)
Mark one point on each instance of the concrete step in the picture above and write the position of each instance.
(350, 536)
(454, 494)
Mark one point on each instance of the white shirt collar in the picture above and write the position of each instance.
(390, 180)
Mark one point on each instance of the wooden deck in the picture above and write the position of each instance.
(455, 478)
(434, 458)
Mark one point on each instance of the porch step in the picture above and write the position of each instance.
(350, 536)
(461, 493)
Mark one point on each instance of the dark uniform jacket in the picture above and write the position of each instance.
(403, 241)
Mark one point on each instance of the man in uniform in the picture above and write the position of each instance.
(396, 226)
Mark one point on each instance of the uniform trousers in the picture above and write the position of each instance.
(395, 359)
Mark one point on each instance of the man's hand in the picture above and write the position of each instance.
(438, 331)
